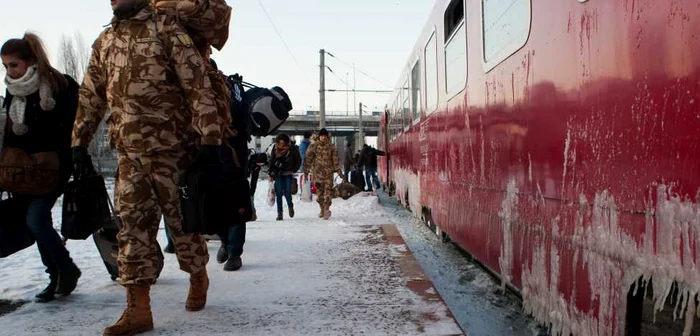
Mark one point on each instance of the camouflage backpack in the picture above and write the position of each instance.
(205, 19)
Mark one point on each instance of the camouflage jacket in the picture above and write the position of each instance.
(322, 160)
(147, 72)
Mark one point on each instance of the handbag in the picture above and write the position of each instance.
(85, 207)
(28, 174)
(295, 186)
(14, 232)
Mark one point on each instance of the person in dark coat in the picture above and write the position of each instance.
(304, 145)
(348, 161)
(285, 160)
(41, 104)
(369, 160)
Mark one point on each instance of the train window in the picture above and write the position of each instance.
(406, 105)
(415, 91)
(456, 62)
(506, 28)
(431, 75)
(454, 15)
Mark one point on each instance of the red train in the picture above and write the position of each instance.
(558, 142)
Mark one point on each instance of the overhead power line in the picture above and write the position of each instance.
(289, 50)
(359, 70)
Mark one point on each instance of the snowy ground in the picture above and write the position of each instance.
(300, 277)
(472, 295)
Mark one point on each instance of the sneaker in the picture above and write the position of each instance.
(291, 213)
(233, 264)
(221, 255)
(169, 249)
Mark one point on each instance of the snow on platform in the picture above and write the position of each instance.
(306, 276)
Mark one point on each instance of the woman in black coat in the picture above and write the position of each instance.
(285, 160)
(41, 104)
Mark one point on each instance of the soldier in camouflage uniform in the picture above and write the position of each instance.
(322, 161)
(145, 69)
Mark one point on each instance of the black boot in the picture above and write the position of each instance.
(279, 216)
(68, 280)
(48, 293)
(222, 255)
(233, 264)
(291, 212)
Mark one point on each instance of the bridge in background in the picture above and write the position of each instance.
(341, 125)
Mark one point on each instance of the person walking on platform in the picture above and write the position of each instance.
(348, 161)
(158, 94)
(322, 162)
(41, 104)
(285, 160)
(304, 146)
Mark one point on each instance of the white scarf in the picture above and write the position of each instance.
(20, 89)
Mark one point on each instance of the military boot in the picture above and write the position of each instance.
(137, 318)
(197, 297)
(327, 214)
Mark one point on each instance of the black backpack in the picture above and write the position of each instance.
(258, 111)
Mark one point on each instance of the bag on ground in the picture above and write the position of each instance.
(306, 195)
(85, 207)
(271, 195)
(14, 232)
(357, 179)
(214, 197)
(345, 190)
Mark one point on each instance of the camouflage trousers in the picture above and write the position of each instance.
(324, 192)
(146, 189)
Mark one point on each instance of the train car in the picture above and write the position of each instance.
(558, 142)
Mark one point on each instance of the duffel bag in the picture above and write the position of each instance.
(268, 109)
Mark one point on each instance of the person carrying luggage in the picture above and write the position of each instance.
(160, 109)
(285, 160)
(322, 162)
(41, 103)
(348, 161)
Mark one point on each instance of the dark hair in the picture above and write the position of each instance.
(307, 135)
(31, 48)
(283, 137)
(323, 132)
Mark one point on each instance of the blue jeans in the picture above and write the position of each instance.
(233, 240)
(371, 173)
(54, 255)
(167, 235)
(283, 187)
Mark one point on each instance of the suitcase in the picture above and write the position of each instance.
(106, 241)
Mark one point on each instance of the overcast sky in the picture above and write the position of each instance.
(376, 35)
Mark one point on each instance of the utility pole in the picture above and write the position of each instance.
(322, 90)
(354, 86)
(360, 133)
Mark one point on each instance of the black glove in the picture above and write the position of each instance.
(82, 164)
(210, 153)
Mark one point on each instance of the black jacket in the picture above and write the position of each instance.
(369, 157)
(290, 162)
(49, 131)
